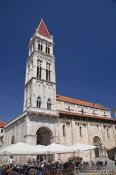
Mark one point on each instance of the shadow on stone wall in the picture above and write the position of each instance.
(111, 153)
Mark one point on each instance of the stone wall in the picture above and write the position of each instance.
(74, 131)
(74, 108)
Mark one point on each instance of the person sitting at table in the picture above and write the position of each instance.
(32, 171)
(33, 162)
(29, 161)
(11, 161)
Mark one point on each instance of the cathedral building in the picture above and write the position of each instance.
(2, 125)
(48, 117)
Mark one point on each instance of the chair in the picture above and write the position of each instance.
(32, 171)
(105, 173)
(92, 174)
(12, 173)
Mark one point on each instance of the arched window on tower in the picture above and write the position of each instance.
(38, 102)
(40, 46)
(47, 49)
(48, 71)
(38, 72)
(49, 104)
(47, 74)
(39, 69)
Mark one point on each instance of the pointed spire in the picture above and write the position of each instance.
(42, 29)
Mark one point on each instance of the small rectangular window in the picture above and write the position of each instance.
(108, 133)
(47, 74)
(48, 50)
(64, 130)
(39, 72)
(39, 46)
(80, 130)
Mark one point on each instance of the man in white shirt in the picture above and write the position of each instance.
(11, 161)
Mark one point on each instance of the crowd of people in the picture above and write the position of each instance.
(37, 167)
(32, 167)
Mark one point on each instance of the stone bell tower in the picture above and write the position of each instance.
(40, 82)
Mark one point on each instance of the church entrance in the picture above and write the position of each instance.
(97, 142)
(44, 136)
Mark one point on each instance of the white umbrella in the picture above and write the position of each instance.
(82, 147)
(3, 151)
(21, 149)
(40, 146)
(43, 147)
(58, 149)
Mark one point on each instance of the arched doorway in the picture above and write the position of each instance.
(97, 142)
(44, 136)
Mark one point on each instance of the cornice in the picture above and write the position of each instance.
(40, 80)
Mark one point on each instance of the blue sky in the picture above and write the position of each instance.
(85, 49)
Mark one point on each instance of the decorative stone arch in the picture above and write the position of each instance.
(47, 85)
(41, 84)
(97, 142)
(44, 136)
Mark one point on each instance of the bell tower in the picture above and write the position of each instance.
(40, 81)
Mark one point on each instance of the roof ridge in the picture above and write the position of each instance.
(80, 102)
(101, 105)
(77, 99)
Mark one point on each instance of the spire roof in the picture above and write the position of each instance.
(42, 29)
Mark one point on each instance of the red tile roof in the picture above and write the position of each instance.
(2, 124)
(42, 29)
(79, 102)
(85, 116)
